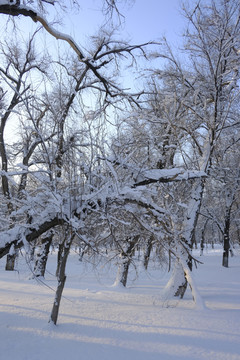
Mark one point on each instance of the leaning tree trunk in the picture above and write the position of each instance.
(191, 215)
(189, 226)
(181, 278)
(177, 283)
(59, 256)
(42, 256)
(61, 278)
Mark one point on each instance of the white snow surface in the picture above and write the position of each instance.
(101, 322)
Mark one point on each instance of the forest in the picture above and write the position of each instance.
(91, 165)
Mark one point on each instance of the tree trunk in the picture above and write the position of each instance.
(148, 252)
(189, 226)
(82, 251)
(124, 272)
(226, 238)
(61, 278)
(59, 256)
(10, 262)
(182, 287)
(177, 283)
(31, 250)
(202, 243)
(57, 300)
(181, 277)
(42, 256)
(126, 257)
(225, 258)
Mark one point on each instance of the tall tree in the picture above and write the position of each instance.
(212, 42)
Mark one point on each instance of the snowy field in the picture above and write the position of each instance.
(100, 322)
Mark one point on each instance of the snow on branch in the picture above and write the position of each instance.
(6, 7)
(166, 175)
(128, 195)
(52, 2)
(15, 9)
(19, 235)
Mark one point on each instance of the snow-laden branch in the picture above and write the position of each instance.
(19, 234)
(129, 195)
(151, 176)
(111, 89)
(16, 10)
(166, 175)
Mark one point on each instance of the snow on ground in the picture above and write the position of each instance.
(98, 321)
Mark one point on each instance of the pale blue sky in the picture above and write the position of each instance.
(151, 19)
(144, 20)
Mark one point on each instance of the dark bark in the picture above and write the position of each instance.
(177, 283)
(124, 275)
(225, 258)
(59, 256)
(32, 250)
(182, 288)
(10, 263)
(126, 259)
(169, 178)
(42, 256)
(226, 238)
(14, 10)
(203, 236)
(61, 279)
(57, 300)
(82, 251)
(148, 252)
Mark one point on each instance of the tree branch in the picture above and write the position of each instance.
(110, 88)
(17, 240)
(167, 175)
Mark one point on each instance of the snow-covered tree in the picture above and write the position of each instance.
(189, 112)
(211, 92)
(59, 180)
(69, 183)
